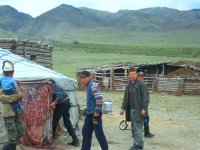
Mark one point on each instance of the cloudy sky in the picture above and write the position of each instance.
(37, 7)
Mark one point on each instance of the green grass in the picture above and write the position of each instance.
(104, 46)
(138, 49)
(114, 36)
(68, 58)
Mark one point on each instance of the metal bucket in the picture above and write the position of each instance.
(107, 106)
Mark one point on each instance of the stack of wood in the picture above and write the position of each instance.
(8, 43)
(32, 50)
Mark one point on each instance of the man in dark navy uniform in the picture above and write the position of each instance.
(62, 105)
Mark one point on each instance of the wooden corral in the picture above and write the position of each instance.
(179, 86)
(115, 77)
(32, 50)
(170, 85)
(191, 86)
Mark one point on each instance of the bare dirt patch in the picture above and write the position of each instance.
(174, 121)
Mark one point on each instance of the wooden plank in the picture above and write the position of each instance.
(3, 45)
(9, 40)
(37, 49)
(28, 53)
(45, 61)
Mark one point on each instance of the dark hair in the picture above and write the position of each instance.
(132, 69)
(7, 73)
(84, 73)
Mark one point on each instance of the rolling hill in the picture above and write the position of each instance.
(69, 23)
(11, 19)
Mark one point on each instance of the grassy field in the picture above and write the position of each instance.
(104, 46)
(68, 57)
(115, 36)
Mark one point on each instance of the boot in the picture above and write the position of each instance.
(12, 146)
(135, 147)
(5, 147)
(147, 133)
(9, 146)
(54, 131)
(75, 142)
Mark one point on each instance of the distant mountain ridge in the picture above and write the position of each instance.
(66, 19)
(11, 19)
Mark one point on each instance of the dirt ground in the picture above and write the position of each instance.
(175, 121)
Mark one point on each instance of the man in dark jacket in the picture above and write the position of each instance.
(62, 105)
(135, 103)
(147, 132)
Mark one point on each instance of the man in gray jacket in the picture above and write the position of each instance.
(135, 103)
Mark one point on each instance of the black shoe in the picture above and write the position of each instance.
(136, 147)
(5, 147)
(9, 146)
(149, 135)
(74, 143)
(12, 146)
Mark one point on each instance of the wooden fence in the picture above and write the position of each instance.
(179, 86)
(191, 86)
(176, 86)
(115, 77)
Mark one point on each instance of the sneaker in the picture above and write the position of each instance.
(74, 143)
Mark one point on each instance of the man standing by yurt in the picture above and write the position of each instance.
(12, 123)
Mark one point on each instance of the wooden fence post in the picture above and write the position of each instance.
(111, 77)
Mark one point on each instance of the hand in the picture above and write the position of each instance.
(53, 105)
(143, 112)
(121, 112)
(19, 96)
(96, 114)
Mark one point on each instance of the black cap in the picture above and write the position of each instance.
(140, 73)
(84, 74)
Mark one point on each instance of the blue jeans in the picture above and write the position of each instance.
(88, 128)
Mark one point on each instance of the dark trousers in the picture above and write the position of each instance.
(62, 110)
(137, 129)
(88, 128)
(146, 120)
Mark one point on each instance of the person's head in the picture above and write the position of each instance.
(132, 72)
(140, 75)
(55, 89)
(8, 68)
(84, 77)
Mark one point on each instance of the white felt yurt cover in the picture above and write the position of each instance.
(26, 70)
